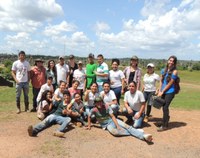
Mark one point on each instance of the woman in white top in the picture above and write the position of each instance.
(134, 105)
(58, 94)
(109, 98)
(90, 96)
(116, 78)
(149, 87)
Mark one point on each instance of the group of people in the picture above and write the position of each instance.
(68, 92)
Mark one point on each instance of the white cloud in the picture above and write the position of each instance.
(23, 15)
(172, 31)
(101, 27)
(155, 7)
(60, 28)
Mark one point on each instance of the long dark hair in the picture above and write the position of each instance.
(44, 96)
(54, 68)
(170, 70)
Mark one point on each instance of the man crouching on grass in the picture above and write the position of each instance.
(58, 117)
(116, 127)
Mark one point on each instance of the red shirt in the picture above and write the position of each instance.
(38, 76)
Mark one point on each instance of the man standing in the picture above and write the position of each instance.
(90, 71)
(62, 71)
(38, 78)
(21, 74)
(102, 72)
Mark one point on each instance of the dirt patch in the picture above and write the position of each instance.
(180, 141)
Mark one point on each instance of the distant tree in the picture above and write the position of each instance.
(196, 66)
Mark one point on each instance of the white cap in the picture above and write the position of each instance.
(150, 65)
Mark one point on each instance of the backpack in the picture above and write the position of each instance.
(177, 85)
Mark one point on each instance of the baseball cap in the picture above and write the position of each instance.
(80, 62)
(39, 60)
(91, 55)
(71, 56)
(98, 99)
(61, 57)
(150, 65)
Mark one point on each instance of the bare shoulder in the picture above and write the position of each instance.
(175, 72)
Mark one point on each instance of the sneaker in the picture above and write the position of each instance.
(58, 134)
(18, 111)
(146, 119)
(27, 110)
(148, 137)
(30, 130)
(161, 128)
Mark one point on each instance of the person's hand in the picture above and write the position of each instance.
(160, 94)
(137, 116)
(111, 82)
(72, 101)
(88, 127)
(122, 91)
(130, 111)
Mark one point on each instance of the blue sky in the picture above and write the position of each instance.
(114, 28)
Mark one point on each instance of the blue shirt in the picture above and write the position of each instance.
(164, 83)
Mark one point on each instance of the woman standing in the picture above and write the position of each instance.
(133, 72)
(167, 88)
(149, 87)
(116, 77)
(51, 71)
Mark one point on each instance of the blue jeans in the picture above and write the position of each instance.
(49, 121)
(19, 87)
(147, 96)
(117, 92)
(137, 122)
(168, 99)
(125, 131)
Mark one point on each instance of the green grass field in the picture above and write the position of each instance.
(188, 98)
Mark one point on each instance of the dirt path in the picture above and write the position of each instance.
(182, 140)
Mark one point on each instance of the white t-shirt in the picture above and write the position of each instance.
(102, 69)
(134, 100)
(43, 88)
(109, 97)
(80, 76)
(150, 82)
(91, 99)
(58, 93)
(62, 72)
(115, 78)
(21, 69)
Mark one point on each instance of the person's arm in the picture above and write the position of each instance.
(123, 85)
(101, 75)
(86, 97)
(89, 123)
(168, 85)
(115, 121)
(130, 111)
(13, 73)
(137, 116)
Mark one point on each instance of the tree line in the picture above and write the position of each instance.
(6, 61)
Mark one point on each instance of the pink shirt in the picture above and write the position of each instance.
(73, 91)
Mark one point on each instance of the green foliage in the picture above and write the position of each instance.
(196, 66)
